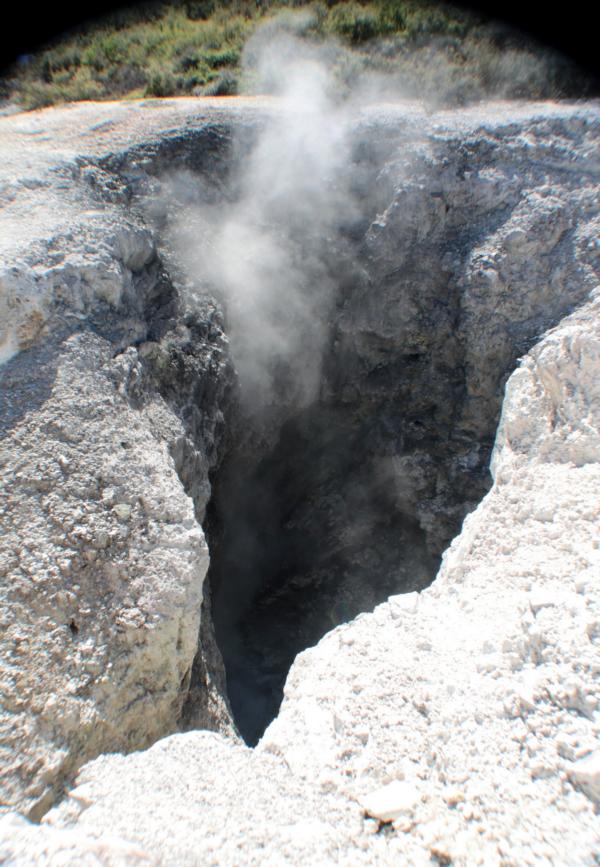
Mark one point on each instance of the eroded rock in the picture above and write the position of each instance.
(478, 692)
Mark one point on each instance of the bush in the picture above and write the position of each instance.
(426, 19)
(161, 84)
(165, 47)
(37, 94)
(199, 10)
(225, 85)
(224, 57)
(354, 22)
(187, 62)
(68, 87)
(393, 15)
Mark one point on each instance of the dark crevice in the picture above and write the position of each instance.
(302, 538)
(319, 508)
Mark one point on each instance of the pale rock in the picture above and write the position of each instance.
(24, 844)
(135, 249)
(586, 774)
(103, 674)
(454, 796)
(543, 598)
(122, 511)
(404, 603)
(391, 801)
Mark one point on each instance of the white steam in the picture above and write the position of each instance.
(265, 255)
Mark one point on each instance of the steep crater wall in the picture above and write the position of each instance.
(110, 422)
(441, 258)
(329, 469)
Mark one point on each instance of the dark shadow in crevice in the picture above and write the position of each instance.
(302, 538)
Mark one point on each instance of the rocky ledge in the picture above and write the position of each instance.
(427, 358)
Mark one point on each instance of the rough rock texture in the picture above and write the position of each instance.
(25, 844)
(104, 563)
(478, 694)
(482, 690)
(104, 468)
(458, 724)
(473, 234)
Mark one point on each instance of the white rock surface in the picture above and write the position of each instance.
(586, 774)
(103, 564)
(479, 695)
(27, 845)
(210, 794)
(102, 559)
(392, 801)
(487, 687)
(475, 698)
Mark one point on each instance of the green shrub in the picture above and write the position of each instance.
(37, 94)
(161, 84)
(393, 15)
(165, 47)
(199, 10)
(426, 19)
(187, 62)
(82, 86)
(70, 87)
(224, 57)
(354, 22)
(225, 85)
(60, 58)
(113, 48)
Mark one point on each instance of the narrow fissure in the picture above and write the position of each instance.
(340, 294)
(303, 537)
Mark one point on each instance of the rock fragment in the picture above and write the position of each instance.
(391, 801)
(586, 774)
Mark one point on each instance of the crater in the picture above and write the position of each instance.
(374, 304)
(304, 535)
(277, 322)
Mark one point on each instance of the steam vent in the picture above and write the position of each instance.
(300, 483)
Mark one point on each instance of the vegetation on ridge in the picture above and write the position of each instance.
(196, 47)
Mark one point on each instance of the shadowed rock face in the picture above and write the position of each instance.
(462, 251)
(110, 422)
(469, 235)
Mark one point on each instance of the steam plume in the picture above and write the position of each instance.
(266, 254)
